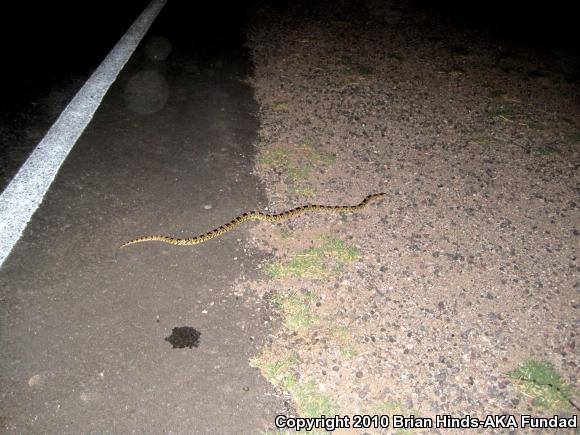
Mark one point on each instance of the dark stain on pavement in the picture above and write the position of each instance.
(184, 336)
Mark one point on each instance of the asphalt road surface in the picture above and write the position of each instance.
(86, 328)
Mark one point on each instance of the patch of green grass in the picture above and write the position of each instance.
(395, 56)
(548, 150)
(281, 105)
(299, 174)
(344, 335)
(348, 351)
(340, 250)
(297, 163)
(515, 116)
(480, 137)
(534, 125)
(497, 93)
(317, 262)
(308, 157)
(502, 114)
(275, 371)
(306, 264)
(313, 154)
(276, 157)
(346, 60)
(355, 72)
(296, 312)
(285, 233)
(541, 382)
(301, 190)
(456, 70)
(363, 70)
(354, 68)
(575, 137)
(309, 401)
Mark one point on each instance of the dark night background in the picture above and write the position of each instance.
(50, 48)
(44, 39)
(41, 38)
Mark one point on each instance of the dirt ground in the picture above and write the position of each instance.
(467, 268)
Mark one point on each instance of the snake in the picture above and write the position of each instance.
(256, 215)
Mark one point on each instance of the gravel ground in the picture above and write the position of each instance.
(468, 266)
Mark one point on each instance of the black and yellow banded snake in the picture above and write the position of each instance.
(255, 215)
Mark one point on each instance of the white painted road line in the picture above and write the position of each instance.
(25, 192)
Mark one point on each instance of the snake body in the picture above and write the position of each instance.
(256, 215)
